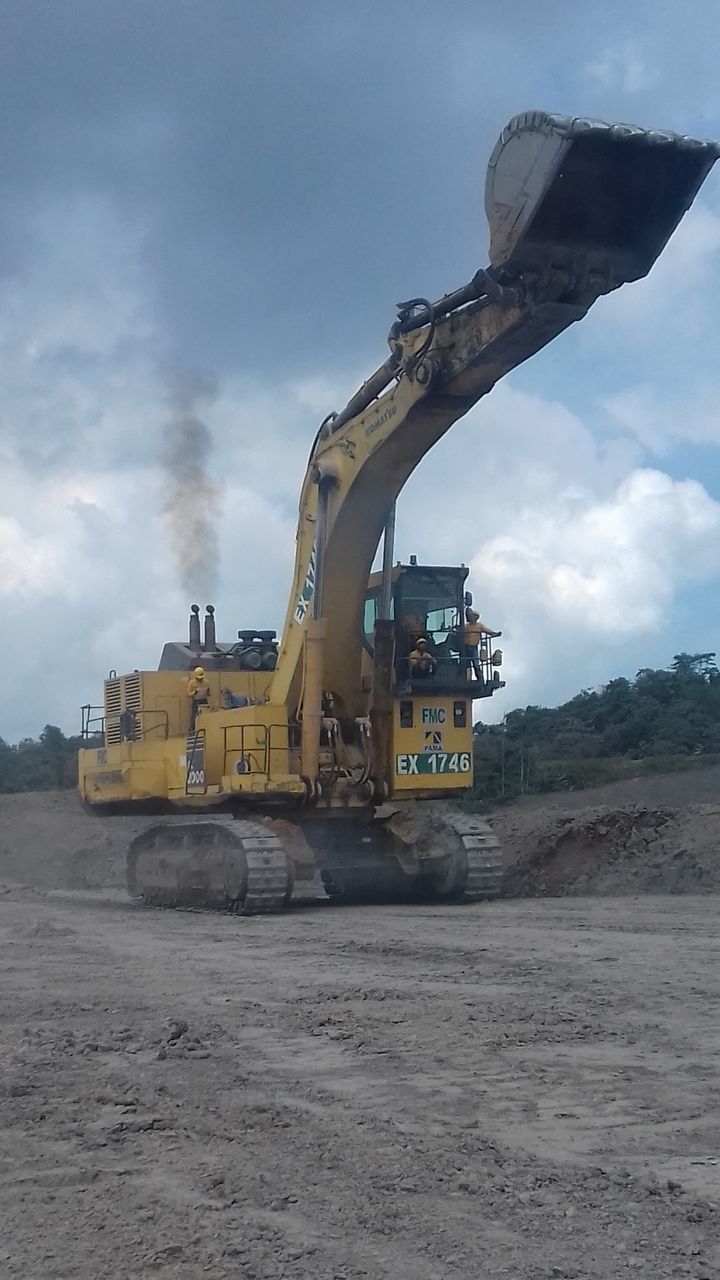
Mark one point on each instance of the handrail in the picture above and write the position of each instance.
(133, 724)
(452, 669)
(255, 754)
(88, 720)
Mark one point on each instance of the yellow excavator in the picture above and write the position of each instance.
(340, 748)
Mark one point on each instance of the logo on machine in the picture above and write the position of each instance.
(303, 600)
(433, 740)
(432, 715)
(380, 420)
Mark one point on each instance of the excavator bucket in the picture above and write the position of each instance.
(588, 196)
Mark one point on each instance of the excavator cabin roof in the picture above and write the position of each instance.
(399, 570)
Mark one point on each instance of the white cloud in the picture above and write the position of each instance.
(28, 566)
(608, 568)
(675, 297)
(658, 420)
(650, 347)
(622, 67)
(584, 587)
(76, 345)
(514, 453)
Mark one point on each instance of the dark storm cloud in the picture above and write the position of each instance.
(297, 168)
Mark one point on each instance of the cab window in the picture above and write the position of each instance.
(371, 613)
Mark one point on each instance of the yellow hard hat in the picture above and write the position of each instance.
(199, 673)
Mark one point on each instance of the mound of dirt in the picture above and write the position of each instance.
(48, 841)
(605, 849)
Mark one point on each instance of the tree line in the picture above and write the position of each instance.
(47, 763)
(662, 720)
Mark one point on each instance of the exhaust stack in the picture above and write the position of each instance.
(210, 644)
(587, 196)
(194, 641)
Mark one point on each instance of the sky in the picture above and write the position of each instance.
(209, 210)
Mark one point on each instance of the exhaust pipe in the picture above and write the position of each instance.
(588, 196)
(210, 644)
(194, 641)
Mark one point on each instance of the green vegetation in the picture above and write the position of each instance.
(48, 763)
(659, 722)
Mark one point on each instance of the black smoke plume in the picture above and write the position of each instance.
(190, 493)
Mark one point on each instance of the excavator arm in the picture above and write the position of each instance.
(576, 208)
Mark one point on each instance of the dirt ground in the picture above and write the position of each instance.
(524, 1089)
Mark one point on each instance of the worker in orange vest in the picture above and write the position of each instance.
(473, 631)
(198, 692)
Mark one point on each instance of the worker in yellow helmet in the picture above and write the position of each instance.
(198, 692)
(422, 662)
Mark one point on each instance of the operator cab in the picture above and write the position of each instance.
(429, 601)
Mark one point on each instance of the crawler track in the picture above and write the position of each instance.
(219, 864)
(484, 869)
(456, 858)
(225, 864)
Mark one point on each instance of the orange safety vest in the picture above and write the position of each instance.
(198, 690)
(473, 632)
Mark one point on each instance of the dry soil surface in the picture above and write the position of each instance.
(525, 1089)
